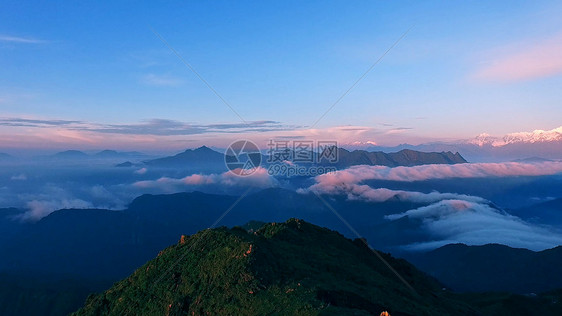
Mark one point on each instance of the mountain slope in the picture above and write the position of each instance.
(70, 154)
(204, 156)
(286, 268)
(548, 212)
(493, 267)
(405, 157)
(190, 158)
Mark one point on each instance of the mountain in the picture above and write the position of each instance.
(112, 154)
(292, 268)
(88, 243)
(286, 268)
(492, 267)
(70, 154)
(126, 164)
(487, 148)
(103, 246)
(536, 136)
(9, 226)
(204, 156)
(548, 212)
(191, 158)
(532, 159)
(405, 157)
(39, 294)
(4, 156)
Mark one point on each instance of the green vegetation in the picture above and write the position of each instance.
(284, 268)
(291, 268)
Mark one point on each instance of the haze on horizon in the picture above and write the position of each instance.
(95, 76)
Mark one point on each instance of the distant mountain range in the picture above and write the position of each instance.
(291, 268)
(484, 147)
(405, 157)
(4, 156)
(492, 268)
(536, 136)
(205, 157)
(547, 212)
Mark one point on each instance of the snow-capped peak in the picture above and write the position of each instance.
(536, 136)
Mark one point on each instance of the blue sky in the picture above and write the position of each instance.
(463, 69)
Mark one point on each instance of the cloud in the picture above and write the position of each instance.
(474, 223)
(526, 61)
(161, 80)
(141, 171)
(153, 127)
(163, 127)
(356, 174)
(347, 182)
(367, 193)
(20, 177)
(397, 130)
(447, 217)
(259, 179)
(39, 200)
(38, 209)
(16, 121)
(23, 40)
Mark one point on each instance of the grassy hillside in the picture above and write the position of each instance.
(284, 268)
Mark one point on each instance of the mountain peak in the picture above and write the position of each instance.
(293, 266)
(203, 148)
(70, 154)
(536, 136)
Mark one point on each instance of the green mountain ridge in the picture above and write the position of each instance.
(291, 268)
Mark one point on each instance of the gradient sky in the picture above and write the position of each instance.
(90, 75)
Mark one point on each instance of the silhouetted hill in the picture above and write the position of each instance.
(85, 243)
(9, 225)
(549, 212)
(493, 268)
(107, 154)
(190, 158)
(532, 159)
(204, 156)
(70, 154)
(125, 164)
(40, 294)
(405, 157)
(285, 268)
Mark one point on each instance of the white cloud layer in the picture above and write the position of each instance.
(472, 223)
(449, 217)
(360, 173)
(38, 209)
(259, 179)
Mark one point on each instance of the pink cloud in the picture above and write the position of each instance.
(537, 60)
(259, 179)
(360, 173)
(366, 193)
(348, 181)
